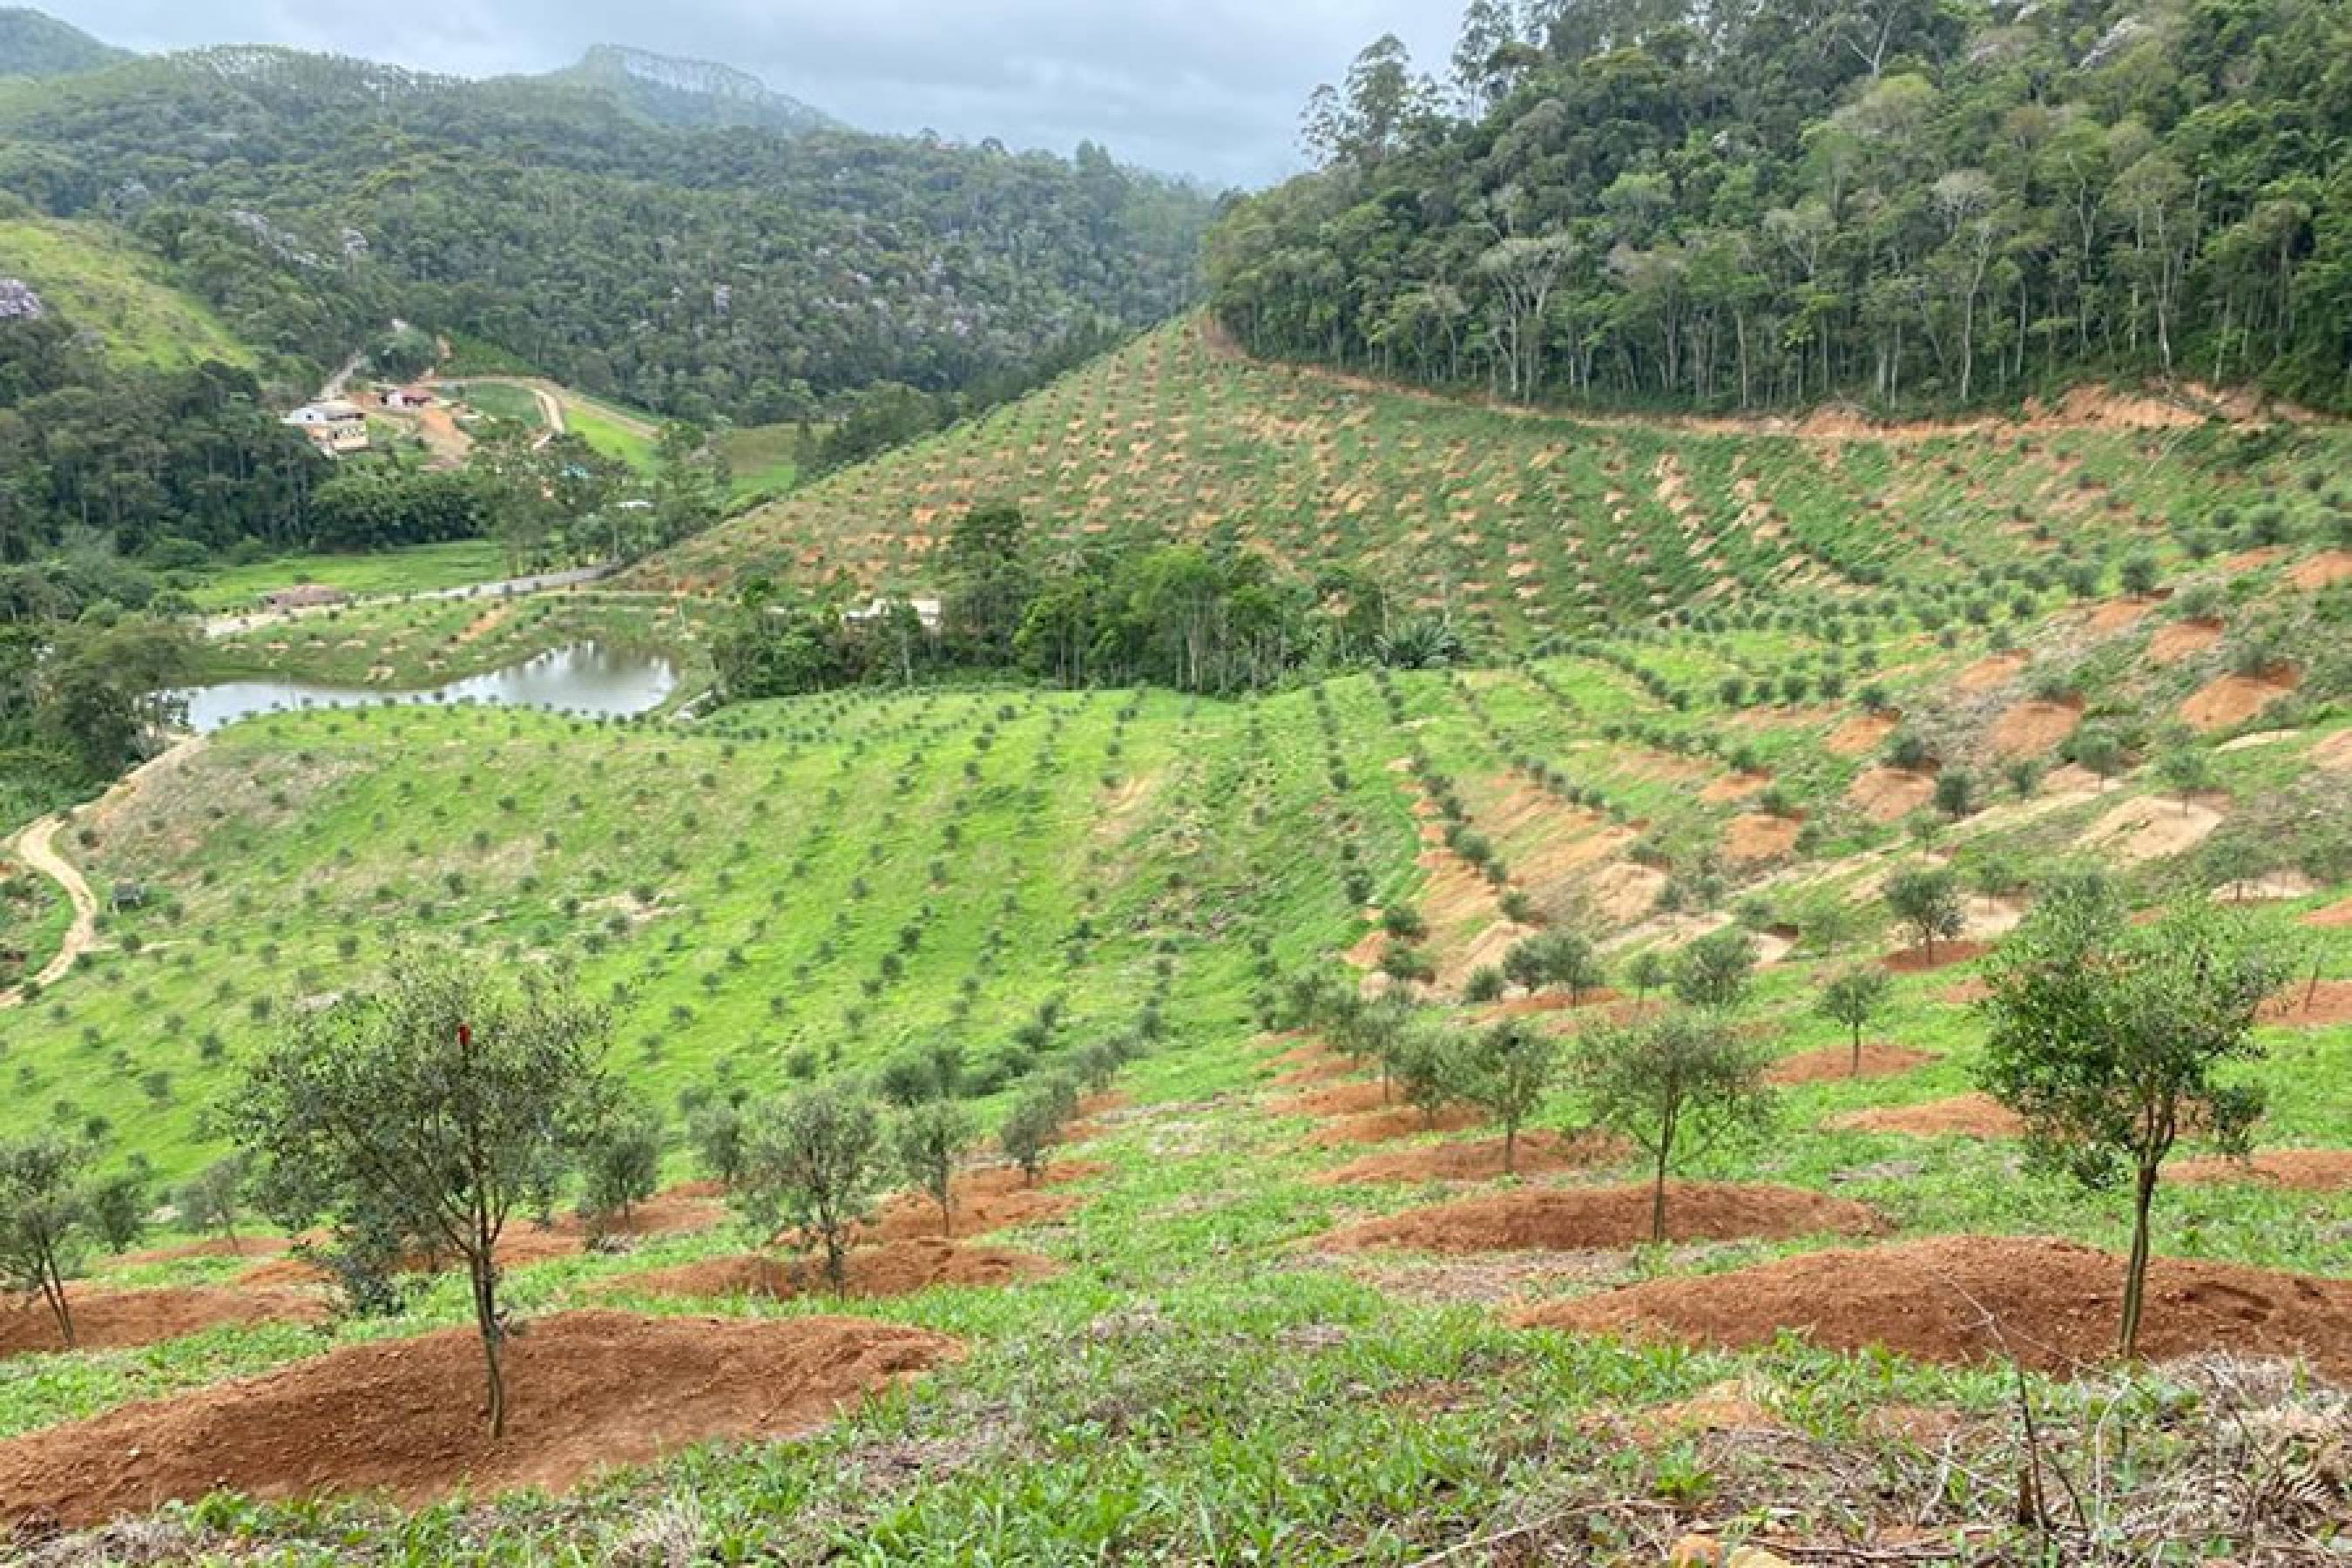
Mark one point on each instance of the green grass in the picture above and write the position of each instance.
(104, 283)
(617, 433)
(504, 402)
(424, 568)
(762, 459)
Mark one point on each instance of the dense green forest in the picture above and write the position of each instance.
(725, 269)
(1909, 203)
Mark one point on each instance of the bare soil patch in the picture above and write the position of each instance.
(2033, 728)
(211, 1246)
(1962, 1116)
(2308, 1006)
(1337, 1100)
(122, 1320)
(2334, 753)
(2234, 698)
(1571, 1219)
(1832, 1064)
(1993, 669)
(1890, 795)
(2335, 915)
(2182, 639)
(997, 1198)
(2056, 1302)
(2148, 829)
(1481, 1161)
(1733, 787)
(2322, 571)
(894, 1268)
(2116, 614)
(1916, 960)
(586, 1391)
(1756, 836)
(1323, 1071)
(1389, 1126)
(1862, 734)
(2298, 1170)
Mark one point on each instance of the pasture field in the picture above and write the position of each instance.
(99, 278)
(1259, 1311)
(420, 569)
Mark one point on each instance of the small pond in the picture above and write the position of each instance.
(584, 678)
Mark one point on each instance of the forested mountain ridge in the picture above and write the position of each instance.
(1914, 205)
(727, 269)
(689, 93)
(35, 44)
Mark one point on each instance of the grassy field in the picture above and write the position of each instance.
(423, 569)
(762, 459)
(105, 284)
(1731, 699)
(615, 432)
(506, 402)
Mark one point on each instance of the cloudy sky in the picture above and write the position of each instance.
(1207, 88)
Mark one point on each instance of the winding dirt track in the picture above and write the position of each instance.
(37, 847)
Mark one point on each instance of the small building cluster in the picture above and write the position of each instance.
(335, 425)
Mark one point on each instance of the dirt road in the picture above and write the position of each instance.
(37, 847)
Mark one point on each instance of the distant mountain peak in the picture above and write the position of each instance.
(687, 92)
(35, 44)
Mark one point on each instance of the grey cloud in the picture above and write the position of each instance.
(1207, 88)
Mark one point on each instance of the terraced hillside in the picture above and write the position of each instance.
(1530, 527)
(1273, 1298)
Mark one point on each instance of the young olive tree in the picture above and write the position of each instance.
(1854, 998)
(1033, 1126)
(811, 1164)
(620, 1165)
(211, 1200)
(928, 1142)
(1554, 958)
(1506, 1071)
(2110, 1040)
(1927, 900)
(44, 1211)
(1671, 1086)
(428, 1107)
(1713, 973)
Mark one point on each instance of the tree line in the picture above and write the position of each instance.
(1215, 621)
(1913, 204)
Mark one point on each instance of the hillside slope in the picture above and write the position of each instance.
(1530, 527)
(109, 285)
(35, 44)
(688, 93)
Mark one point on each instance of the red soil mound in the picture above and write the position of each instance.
(2299, 1170)
(667, 1213)
(2116, 614)
(1339, 1100)
(1862, 733)
(894, 1268)
(585, 1391)
(2336, 914)
(1316, 1072)
(1916, 963)
(1889, 794)
(1914, 960)
(1756, 837)
(1733, 787)
(2306, 1007)
(2234, 698)
(1833, 1062)
(2322, 571)
(1388, 1126)
(997, 1198)
(1963, 1116)
(1992, 671)
(2182, 639)
(1481, 1161)
(2033, 728)
(119, 1320)
(2057, 1304)
(1569, 1219)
